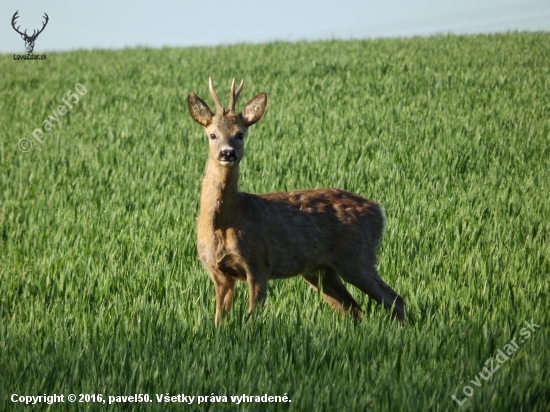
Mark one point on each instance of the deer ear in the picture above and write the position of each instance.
(199, 110)
(254, 109)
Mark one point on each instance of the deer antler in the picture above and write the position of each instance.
(219, 107)
(34, 36)
(34, 33)
(15, 17)
(234, 94)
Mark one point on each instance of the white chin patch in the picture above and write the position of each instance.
(226, 163)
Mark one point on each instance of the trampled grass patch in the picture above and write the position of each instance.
(101, 291)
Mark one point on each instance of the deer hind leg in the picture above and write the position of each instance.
(366, 278)
(334, 292)
(224, 288)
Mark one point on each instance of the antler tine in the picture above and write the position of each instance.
(234, 94)
(232, 97)
(46, 22)
(239, 90)
(13, 21)
(219, 107)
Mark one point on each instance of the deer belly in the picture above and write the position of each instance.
(286, 268)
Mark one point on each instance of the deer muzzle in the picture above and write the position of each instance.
(227, 156)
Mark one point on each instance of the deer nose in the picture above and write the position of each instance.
(227, 155)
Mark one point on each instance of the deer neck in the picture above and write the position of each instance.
(219, 196)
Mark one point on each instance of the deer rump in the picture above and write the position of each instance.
(299, 232)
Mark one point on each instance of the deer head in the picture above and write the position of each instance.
(29, 40)
(226, 129)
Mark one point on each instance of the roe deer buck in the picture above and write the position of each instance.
(321, 234)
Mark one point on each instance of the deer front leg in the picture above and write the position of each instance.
(257, 287)
(224, 288)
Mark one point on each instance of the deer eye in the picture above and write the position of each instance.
(240, 136)
(213, 136)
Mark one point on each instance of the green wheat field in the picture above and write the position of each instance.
(101, 290)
